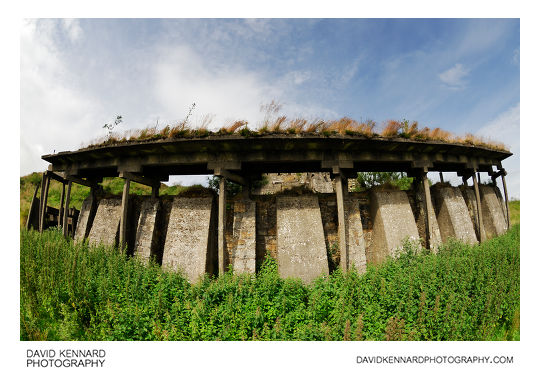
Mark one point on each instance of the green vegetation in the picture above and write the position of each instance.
(73, 292)
(513, 206)
(112, 186)
(367, 180)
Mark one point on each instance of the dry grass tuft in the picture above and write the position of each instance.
(235, 126)
(391, 129)
(439, 134)
(277, 126)
(344, 126)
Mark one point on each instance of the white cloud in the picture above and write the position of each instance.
(72, 28)
(55, 115)
(505, 128)
(454, 77)
(182, 77)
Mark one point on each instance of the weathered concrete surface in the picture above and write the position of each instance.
(85, 220)
(393, 222)
(453, 215)
(492, 212)
(503, 205)
(191, 243)
(301, 250)
(435, 239)
(357, 245)
(146, 237)
(470, 201)
(106, 222)
(244, 244)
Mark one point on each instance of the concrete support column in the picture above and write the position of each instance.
(66, 209)
(505, 197)
(341, 196)
(428, 208)
(155, 191)
(478, 207)
(124, 217)
(41, 195)
(44, 193)
(61, 208)
(222, 219)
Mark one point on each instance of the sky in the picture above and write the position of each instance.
(462, 75)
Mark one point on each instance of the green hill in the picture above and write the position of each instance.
(114, 186)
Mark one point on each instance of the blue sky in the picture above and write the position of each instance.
(458, 74)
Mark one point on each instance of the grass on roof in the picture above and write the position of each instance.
(282, 125)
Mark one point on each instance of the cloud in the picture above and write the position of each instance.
(454, 77)
(54, 113)
(72, 28)
(506, 129)
(182, 77)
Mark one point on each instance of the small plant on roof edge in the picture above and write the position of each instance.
(110, 126)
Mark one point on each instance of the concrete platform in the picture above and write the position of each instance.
(357, 245)
(244, 243)
(493, 214)
(393, 222)
(106, 222)
(301, 249)
(191, 243)
(146, 237)
(453, 215)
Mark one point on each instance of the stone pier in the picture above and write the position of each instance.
(191, 243)
(146, 238)
(301, 249)
(84, 222)
(393, 222)
(357, 245)
(243, 244)
(106, 222)
(492, 211)
(453, 215)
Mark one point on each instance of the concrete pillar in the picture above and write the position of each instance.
(66, 209)
(506, 198)
(155, 191)
(341, 195)
(428, 208)
(41, 195)
(479, 207)
(122, 241)
(61, 208)
(44, 193)
(222, 219)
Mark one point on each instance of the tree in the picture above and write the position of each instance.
(230, 187)
(366, 180)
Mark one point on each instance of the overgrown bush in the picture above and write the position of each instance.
(75, 292)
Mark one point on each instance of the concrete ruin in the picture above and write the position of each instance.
(301, 251)
(393, 223)
(190, 246)
(298, 203)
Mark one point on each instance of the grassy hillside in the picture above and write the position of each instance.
(514, 211)
(115, 186)
(73, 292)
